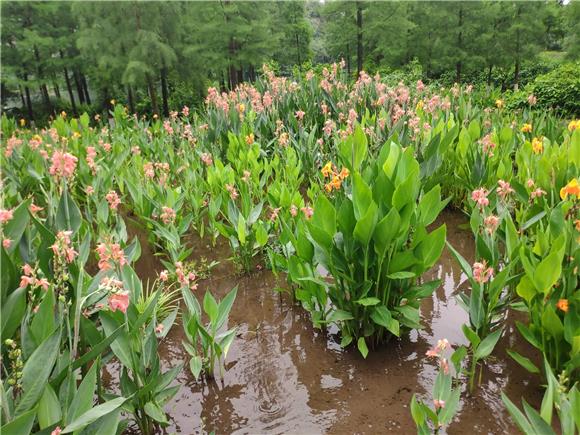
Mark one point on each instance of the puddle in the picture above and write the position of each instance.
(283, 376)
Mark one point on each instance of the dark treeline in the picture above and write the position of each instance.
(155, 55)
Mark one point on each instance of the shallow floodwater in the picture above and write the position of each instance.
(284, 376)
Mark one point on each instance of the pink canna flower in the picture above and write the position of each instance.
(504, 189)
(62, 247)
(491, 223)
(63, 164)
(43, 283)
(159, 328)
(6, 243)
(480, 197)
(530, 183)
(57, 430)
(308, 212)
(167, 215)
(482, 273)
(109, 255)
(185, 111)
(538, 193)
(113, 199)
(206, 159)
(274, 214)
(439, 404)
(34, 208)
(232, 190)
(6, 215)
(164, 275)
(119, 301)
(293, 210)
(299, 115)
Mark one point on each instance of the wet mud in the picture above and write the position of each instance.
(284, 376)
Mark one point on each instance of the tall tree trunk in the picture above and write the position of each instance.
(240, 74)
(23, 101)
(79, 87)
(459, 44)
(359, 37)
(152, 94)
(43, 88)
(252, 72)
(85, 88)
(71, 96)
(348, 69)
(489, 75)
(517, 65)
(28, 101)
(130, 99)
(56, 89)
(164, 91)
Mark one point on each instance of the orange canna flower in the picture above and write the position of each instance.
(562, 305)
(574, 124)
(577, 224)
(572, 188)
(344, 173)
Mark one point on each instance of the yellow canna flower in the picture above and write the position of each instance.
(22, 122)
(526, 128)
(537, 145)
(419, 105)
(499, 103)
(327, 170)
(112, 102)
(572, 189)
(574, 124)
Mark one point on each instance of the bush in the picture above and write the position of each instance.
(560, 89)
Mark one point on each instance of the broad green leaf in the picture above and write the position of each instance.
(548, 272)
(210, 307)
(154, 411)
(94, 414)
(68, 215)
(370, 301)
(21, 425)
(49, 411)
(362, 347)
(83, 399)
(362, 196)
(487, 345)
(43, 322)
(365, 226)
(36, 371)
(523, 361)
(518, 417)
(16, 226)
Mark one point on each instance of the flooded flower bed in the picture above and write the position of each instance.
(284, 376)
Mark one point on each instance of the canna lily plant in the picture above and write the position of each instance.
(370, 234)
(207, 343)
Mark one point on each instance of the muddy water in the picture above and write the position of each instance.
(283, 376)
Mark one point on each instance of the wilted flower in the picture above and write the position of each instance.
(532, 100)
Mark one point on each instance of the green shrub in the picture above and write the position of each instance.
(560, 89)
